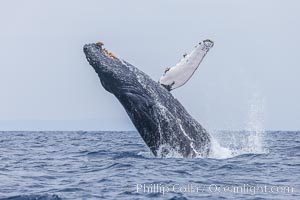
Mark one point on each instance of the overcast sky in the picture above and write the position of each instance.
(249, 78)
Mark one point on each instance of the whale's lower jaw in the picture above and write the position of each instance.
(163, 123)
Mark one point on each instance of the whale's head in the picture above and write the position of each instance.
(115, 74)
(120, 78)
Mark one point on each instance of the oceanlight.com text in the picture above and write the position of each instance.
(214, 188)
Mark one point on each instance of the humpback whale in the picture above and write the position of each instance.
(162, 122)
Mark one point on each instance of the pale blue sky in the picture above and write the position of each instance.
(252, 71)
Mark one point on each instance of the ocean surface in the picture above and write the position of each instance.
(118, 165)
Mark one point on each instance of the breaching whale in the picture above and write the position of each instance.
(163, 123)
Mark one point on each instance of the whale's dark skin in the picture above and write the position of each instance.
(163, 123)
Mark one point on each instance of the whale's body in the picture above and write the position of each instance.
(163, 123)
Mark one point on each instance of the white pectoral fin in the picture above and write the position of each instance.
(179, 74)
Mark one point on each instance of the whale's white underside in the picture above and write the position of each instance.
(179, 74)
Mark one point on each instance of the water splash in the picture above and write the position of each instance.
(168, 152)
(219, 151)
(255, 142)
(228, 144)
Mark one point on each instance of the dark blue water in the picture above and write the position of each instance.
(118, 165)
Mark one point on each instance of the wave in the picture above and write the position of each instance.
(33, 197)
